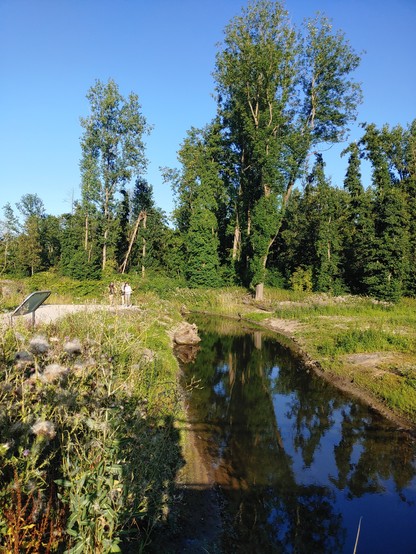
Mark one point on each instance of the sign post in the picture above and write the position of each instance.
(31, 304)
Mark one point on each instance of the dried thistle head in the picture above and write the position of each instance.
(53, 372)
(73, 347)
(45, 429)
(39, 345)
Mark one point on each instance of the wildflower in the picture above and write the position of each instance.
(39, 345)
(73, 347)
(52, 372)
(26, 452)
(44, 429)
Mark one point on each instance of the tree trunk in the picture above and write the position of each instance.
(105, 249)
(144, 245)
(133, 237)
(259, 291)
(86, 238)
(236, 241)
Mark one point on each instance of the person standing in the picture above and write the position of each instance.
(111, 291)
(123, 293)
(127, 294)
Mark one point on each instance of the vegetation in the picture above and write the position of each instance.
(89, 449)
(368, 345)
(251, 208)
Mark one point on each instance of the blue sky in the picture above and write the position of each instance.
(52, 51)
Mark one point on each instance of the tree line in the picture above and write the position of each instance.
(253, 205)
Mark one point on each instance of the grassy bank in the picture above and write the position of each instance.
(89, 450)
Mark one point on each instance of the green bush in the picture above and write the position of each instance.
(301, 280)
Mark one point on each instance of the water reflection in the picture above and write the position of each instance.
(298, 462)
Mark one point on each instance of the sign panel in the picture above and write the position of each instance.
(32, 302)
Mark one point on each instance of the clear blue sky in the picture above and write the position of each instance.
(52, 51)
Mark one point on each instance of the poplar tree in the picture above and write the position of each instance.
(278, 97)
(113, 152)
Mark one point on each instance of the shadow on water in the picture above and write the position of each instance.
(293, 464)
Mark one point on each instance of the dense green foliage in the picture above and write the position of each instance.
(248, 210)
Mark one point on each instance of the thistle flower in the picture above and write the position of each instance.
(44, 429)
(39, 345)
(52, 372)
(23, 357)
(73, 347)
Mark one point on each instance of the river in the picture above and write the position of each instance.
(299, 466)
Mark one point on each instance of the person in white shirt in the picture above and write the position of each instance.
(127, 294)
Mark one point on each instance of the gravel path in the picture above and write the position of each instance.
(48, 313)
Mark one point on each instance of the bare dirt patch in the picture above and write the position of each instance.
(284, 326)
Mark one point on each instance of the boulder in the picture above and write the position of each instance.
(186, 333)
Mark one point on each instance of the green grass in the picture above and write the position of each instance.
(364, 340)
(113, 410)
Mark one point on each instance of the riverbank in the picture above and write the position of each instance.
(329, 335)
(229, 400)
(364, 347)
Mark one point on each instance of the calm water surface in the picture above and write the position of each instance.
(297, 463)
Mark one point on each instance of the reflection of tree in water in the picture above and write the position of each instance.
(311, 408)
(365, 456)
(270, 511)
(380, 456)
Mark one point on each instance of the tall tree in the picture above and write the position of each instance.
(112, 151)
(278, 97)
(29, 254)
(31, 205)
(388, 265)
(329, 219)
(360, 231)
(75, 260)
(200, 195)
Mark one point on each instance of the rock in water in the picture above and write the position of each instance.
(186, 333)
